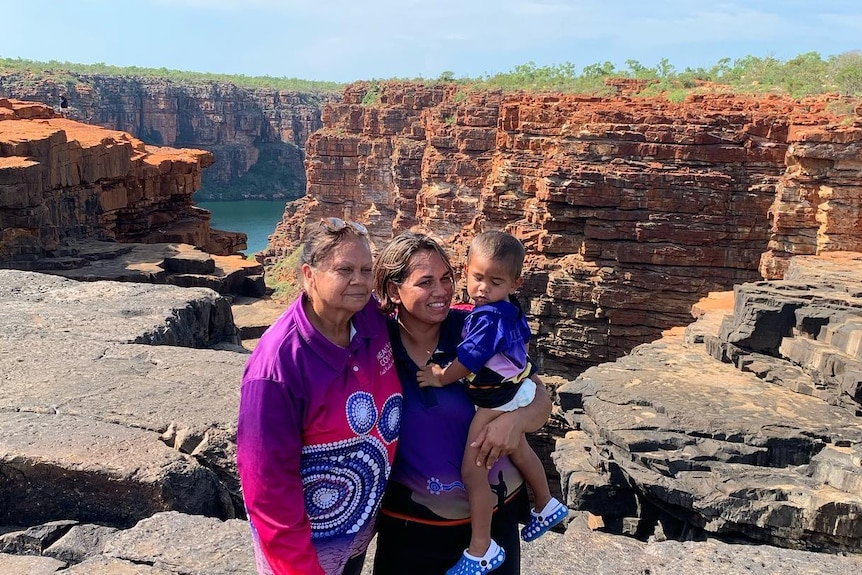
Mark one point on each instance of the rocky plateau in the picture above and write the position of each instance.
(695, 285)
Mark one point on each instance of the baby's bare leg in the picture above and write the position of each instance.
(479, 493)
(530, 466)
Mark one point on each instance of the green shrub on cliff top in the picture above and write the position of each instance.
(71, 70)
(281, 277)
(803, 75)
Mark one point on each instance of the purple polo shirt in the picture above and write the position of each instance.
(494, 349)
(318, 426)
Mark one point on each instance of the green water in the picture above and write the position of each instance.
(257, 218)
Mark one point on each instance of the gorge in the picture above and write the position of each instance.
(257, 135)
(632, 210)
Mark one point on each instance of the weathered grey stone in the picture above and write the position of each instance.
(580, 551)
(85, 413)
(89, 260)
(56, 465)
(101, 565)
(34, 540)
(672, 440)
(80, 542)
(30, 564)
(190, 262)
(186, 544)
(759, 444)
(583, 486)
(254, 315)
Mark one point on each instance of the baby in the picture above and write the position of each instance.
(492, 358)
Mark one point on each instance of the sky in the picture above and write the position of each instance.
(347, 40)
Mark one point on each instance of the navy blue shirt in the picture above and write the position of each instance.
(426, 484)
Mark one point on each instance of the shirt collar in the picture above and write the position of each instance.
(361, 329)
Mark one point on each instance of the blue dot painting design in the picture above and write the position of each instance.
(436, 487)
(343, 484)
(361, 412)
(390, 419)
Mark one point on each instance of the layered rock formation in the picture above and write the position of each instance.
(113, 404)
(76, 198)
(257, 136)
(746, 424)
(818, 202)
(112, 415)
(631, 209)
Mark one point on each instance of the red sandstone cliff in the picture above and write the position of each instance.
(631, 209)
(818, 201)
(257, 136)
(60, 179)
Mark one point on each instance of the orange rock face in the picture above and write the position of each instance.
(62, 179)
(261, 131)
(631, 209)
(818, 201)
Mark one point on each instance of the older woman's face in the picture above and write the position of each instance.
(342, 281)
(426, 293)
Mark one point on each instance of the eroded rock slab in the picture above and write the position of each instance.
(30, 564)
(763, 444)
(56, 465)
(186, 544)
(103, 418)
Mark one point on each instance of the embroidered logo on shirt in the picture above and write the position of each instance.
(436, 487)
(384, 357)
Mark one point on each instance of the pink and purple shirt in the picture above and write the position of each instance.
(318, 426)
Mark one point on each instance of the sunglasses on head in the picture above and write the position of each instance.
(336, 225)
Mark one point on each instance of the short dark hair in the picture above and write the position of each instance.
(502, 247)
(393, 263)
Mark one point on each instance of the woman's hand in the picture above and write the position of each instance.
(500, 437)
(503, 435)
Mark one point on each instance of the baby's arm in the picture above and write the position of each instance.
(432, 375)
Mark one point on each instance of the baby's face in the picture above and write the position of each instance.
(489, 280)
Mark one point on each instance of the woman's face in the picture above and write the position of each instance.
(426, 293)
(342, 281)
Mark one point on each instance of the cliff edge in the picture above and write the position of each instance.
(631, 209)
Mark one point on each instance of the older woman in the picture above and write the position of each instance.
(424, 523)
(319, 414)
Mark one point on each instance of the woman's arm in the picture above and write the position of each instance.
(268, 459)
(502, 436)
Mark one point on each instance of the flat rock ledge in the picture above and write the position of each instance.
(747, 424)
(118, 410)
(176, 263)
(172, 543)
(118, 400)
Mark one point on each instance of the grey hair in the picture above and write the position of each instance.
(319, 243)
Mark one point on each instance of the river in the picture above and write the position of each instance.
(257, 218)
